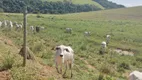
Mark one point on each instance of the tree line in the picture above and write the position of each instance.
(38, 6)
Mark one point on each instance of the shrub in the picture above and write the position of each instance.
(112, 61)
(101, 76)
(139, 59)
(124, 65)
(105, 69)
(39, 16)
(26, 73)
(109, 78)
(7, 62)
(121, 70)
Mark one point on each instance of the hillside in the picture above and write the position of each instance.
(130, 14)
(103, 4)
(55, 6)
(81, 2)
(88, 64)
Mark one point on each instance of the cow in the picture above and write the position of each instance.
(10, 25)
(37, 28)
(42, 28)
(103, 47)
(18, 27)
(69, 30)
(107, 39)
(64, 55)
(86, 33)
(4, 23)
(32, 28)
(135, 75)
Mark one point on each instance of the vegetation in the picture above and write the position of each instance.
(108, 5)
(55, 7)
(89, 64)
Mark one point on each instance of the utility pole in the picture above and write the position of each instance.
(24, 37)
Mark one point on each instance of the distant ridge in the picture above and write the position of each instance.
(56, 6)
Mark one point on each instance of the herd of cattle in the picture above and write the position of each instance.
(65, 54)
(18, 26)
(9, 25)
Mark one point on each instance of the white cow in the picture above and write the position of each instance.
(4, 23)
(107, 39)
(14, 23)
(135, 75)
(10, 24)
(64, 54)
(103, 47)
(18, 27)
(103, 44)
(87, 33)
(68, 30)
(42, 28)
(32, 28)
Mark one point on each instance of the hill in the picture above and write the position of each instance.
(55, 6)
(103, 4)
(88, 64)
(132, 14)
(81, 2)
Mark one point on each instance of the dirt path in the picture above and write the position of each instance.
(48, 72)
(88, 65)
(5, 75)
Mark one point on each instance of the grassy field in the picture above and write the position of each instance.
(81, 2)
(124, 26)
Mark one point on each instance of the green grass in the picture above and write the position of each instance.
(126, 34)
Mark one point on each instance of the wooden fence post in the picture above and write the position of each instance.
(24, 37)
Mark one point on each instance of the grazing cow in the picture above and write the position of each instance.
(14, 23)
(18, 27)
(69, 30)
(37, 28)
(87, 33)
(10, 24)
(103, 47)
(64, 54)
(4, 23)
(32, 28)
(135, 75)
(42, 28)
(107, 39)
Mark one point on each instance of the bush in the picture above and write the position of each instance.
(101, 76)
(7, 62)
(139, 59)
(39, 16)
(112, 61)
(109, 78)
(124, 65)
(26, 73)
(121, 70)
(105, 69)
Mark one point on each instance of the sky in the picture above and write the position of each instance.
(128, 3)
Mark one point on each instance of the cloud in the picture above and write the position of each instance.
(128, 3)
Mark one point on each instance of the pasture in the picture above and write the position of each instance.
(124, 26)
